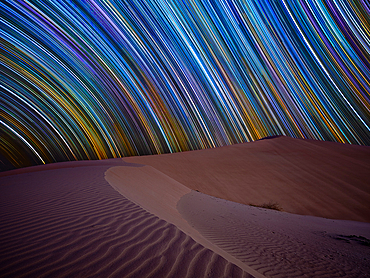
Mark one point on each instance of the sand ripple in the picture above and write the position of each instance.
(278, 244)
(72, 223)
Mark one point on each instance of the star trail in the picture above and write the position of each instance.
(102, 79)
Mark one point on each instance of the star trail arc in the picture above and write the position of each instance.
(101, 79)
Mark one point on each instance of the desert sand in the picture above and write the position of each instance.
(141, 216)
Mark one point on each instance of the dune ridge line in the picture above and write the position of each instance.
(159, 194)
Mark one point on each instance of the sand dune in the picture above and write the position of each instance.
(306, 177)
(112, 218)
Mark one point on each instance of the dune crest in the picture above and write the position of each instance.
(160, 194)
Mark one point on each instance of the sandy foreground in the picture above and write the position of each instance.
(141, 216)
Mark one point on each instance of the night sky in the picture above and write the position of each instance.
(102, 79)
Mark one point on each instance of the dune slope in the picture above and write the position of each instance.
(70, 222)
(280, 244)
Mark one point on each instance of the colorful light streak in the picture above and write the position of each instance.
(100, 79)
